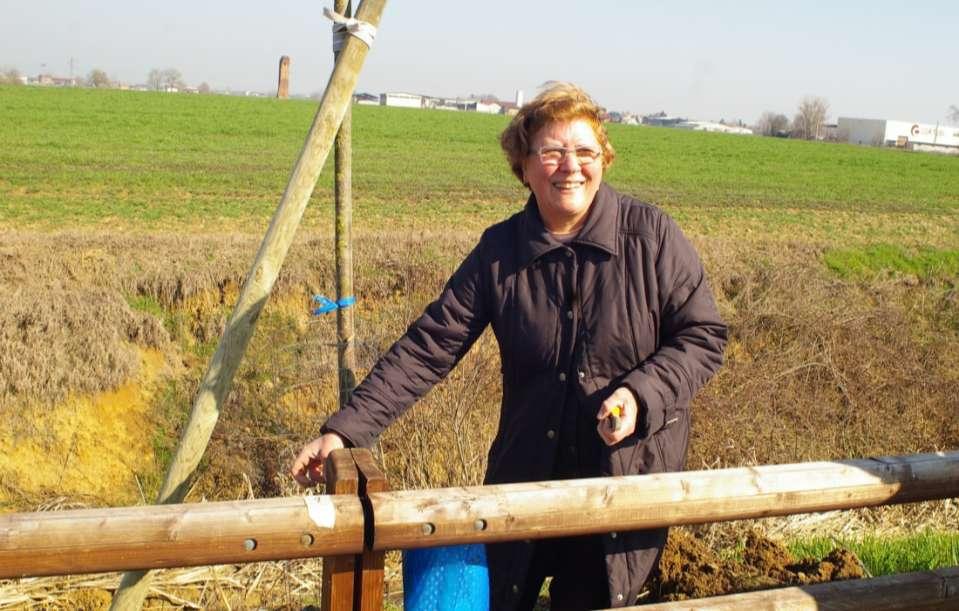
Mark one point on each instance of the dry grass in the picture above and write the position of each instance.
(276, 585)
(69, 339)
(819, 368)
(816, 367)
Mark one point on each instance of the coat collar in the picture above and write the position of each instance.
(600, 231)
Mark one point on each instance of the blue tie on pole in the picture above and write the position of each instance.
(327, 305)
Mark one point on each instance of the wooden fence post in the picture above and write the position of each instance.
(218, 379)
(370, 576)
(339, 571)
(354, 583)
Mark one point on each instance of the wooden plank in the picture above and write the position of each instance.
(906, 592)
(427, 518)
(218, 379)
(99, 540)
(370, 582)
(342, 478)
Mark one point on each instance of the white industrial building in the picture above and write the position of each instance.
(413, 100)
(903, 134)
(488, 106)
(708, 126)
(405, 100)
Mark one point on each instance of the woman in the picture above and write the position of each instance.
(600, 307)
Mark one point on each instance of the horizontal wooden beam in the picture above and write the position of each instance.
(99, 540)
(905, 592)
(427, 518)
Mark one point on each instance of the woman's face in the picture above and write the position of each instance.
(564, 189)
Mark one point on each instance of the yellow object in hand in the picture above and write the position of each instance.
(615, 420)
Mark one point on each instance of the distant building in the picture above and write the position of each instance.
(283, 78)
(450, 104)
(443, 103)
(49, 80)
(508, 108)
(661, 119)
(830, 132)
(902, 134)
(488, 105)
(404, 100)
(708, 126)
(626, 117)
(366, 98)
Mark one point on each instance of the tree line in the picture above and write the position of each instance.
(165, 79)
(809, 122)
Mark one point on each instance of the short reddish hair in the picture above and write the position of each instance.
(558, 102)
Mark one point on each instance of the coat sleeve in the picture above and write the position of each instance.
(692, 336)
(429, 349)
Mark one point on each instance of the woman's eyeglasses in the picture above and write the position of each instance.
(555, 155)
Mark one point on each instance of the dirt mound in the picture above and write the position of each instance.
(690, 569)
(95, 449)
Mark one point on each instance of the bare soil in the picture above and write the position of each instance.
(689, 568)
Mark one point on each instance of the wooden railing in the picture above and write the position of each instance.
(360, 519)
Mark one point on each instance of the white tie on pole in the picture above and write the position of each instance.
(343, 26)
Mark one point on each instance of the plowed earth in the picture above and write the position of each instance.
(690, 569)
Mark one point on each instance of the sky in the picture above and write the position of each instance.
(697, 59)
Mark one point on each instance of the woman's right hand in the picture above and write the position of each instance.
(307, 469)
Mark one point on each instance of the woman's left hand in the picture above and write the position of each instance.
(623, 401)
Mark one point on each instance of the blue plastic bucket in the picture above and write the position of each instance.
(453, 578)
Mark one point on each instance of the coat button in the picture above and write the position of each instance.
(550, 434)
(562, 376)
(612, 535)
(619, 597)
(569, 314)
(581, 374)
(569, 253)
(515, 589)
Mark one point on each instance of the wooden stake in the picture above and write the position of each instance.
(906, 592)
(343, 190)
(259, 282)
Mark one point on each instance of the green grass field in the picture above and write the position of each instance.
(148, 161)
(922, 551)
